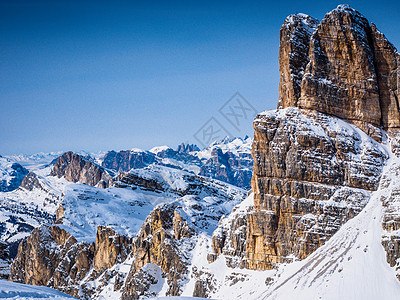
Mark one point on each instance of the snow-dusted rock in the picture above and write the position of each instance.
(11, 174)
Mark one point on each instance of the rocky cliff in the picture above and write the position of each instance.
(51, 256)
(313, 169)
(159, 242)
(342, 67)
(76, 168)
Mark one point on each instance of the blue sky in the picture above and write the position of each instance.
(123, 74)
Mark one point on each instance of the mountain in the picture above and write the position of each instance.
(324, 177)
(157, 209)
(321, 221)
(11, 174)
(228, 160)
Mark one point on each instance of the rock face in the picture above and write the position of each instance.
(51, 256)
(187, 148)
(294, 38)
(311, 174)
(159, 242)
(75, 168)
(230, 236)
(30, 182)
(312, 170)
(4, 260)
(387, 66)
(110, 248)
(390, 187)
(351, 70)
(228, 168)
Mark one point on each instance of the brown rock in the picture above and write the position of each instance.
(343, 67)
(110, 248)
(158, 242)
(51, 256)
(310, 176)
(294, 37)
(76, 168)
(340, 79)
(387, 61)
(30, 182)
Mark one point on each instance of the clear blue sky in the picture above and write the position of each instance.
(120, 74)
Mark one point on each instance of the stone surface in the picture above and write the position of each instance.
(76, 168)
(224, 160)
(311, 174)
(51, 256)
(342, 67)
(294, 37)
(30, 182)
(159, 242)
(110, 248)
(230, 236)
(228, 168)
(387, 67)
(390, 191)
(11, 174)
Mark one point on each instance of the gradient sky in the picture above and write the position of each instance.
(80, 75)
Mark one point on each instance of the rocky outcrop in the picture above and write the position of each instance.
(76, 168)
(110, 249)
(30, 182)
(311, 174)
(312, 171)
(217, 161)
(123, 161)
(160, 242)
(390, 197)
(4, 260)
(294, 37)
(351, 69)
(230, 236)
(187, 148)
(161, 179)
(51, 256)
(387, 67)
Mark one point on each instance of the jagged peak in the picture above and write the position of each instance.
(344, 9)
(380, 34)
(301, 18)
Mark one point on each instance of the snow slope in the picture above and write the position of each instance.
(13, 290)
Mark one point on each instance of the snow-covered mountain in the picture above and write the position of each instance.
(53, 193)
(322, 220)
(228, 160)
(11, 174)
